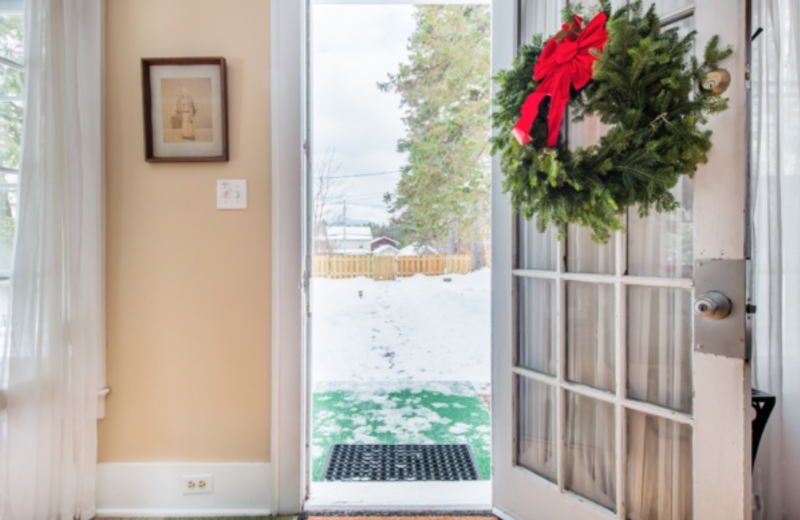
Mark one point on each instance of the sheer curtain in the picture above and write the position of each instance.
(53, 357)
(776, 251)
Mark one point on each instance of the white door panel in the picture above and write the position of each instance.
(604, 406)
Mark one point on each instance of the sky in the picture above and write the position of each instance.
(353, 48)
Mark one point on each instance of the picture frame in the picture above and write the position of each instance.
(185, 109)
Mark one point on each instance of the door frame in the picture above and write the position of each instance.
(288, 113)
(289, 121)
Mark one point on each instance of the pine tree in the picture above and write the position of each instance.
(443, 194)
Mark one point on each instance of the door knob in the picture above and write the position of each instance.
(712, 305)
(716, 81)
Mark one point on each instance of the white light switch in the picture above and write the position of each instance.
(232, 194)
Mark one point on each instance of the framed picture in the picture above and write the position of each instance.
(185, 109)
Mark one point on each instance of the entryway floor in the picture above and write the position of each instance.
(401, 412)
(200, 518)
(393, 517)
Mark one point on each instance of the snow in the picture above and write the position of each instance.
(417, 249)
(385, 250)
(413, 329)
(353, 233)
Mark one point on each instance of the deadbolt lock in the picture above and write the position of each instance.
(712, 305)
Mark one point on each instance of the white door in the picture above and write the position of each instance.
(611, 398)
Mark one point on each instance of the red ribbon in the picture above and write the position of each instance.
(560, 64)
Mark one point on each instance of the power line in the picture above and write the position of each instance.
(366, 205)
(363, 174)
(366, 195)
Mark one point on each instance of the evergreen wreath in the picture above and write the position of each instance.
(647, 89)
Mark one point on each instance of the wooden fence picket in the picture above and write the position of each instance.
(459, 264)
(351, 266)
(322, 266)
(429, 265)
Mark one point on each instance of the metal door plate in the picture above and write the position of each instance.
(725, 337)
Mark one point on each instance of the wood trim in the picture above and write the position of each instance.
(287, 424)
(147, 106)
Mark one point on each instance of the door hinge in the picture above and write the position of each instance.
(747, 76)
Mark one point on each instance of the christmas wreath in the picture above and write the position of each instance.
(643, 81)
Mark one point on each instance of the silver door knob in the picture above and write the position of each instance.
(712, 305)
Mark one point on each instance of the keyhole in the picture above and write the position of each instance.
(703, 307)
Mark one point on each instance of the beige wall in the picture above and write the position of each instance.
(188, 285)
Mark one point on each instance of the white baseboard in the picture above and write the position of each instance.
(142, 489)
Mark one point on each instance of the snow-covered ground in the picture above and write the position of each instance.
(413, 329)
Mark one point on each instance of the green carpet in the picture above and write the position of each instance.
(400, 413)
(205, 518)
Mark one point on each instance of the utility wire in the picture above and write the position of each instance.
(366, 205)
(363, 174)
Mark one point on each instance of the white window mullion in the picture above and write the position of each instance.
(677, 283)
(561, 363)
(621, 372)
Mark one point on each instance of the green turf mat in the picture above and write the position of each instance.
(400, 413)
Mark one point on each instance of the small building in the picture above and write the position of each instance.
(350, 240)
(384, 241)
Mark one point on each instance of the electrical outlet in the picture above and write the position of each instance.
(196, 484)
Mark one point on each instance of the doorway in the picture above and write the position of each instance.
(721, 388)
(399, 352)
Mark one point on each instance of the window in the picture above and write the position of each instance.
(11, 108)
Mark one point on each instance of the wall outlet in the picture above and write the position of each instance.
(232, 194)
(196, 484)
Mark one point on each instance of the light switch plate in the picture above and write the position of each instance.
(232, 194)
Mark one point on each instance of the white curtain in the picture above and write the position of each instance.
(776, 251)
(53, 358)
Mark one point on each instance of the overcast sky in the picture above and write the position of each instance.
(353, 48)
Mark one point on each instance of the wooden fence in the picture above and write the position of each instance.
(350, 266)
(389, 267)
(385, 267)
(322, 266)
(459, 264)
(429, 265)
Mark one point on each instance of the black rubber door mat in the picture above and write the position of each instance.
(400, 462)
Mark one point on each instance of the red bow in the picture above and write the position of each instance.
(560, 64)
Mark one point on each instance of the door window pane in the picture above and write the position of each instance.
(590, 334)
(660, 346)
(536, 436)
(536, 250)
(668, 6)
(662, 244)
(659, 468)
(591, 450)
(587, 256)
(537, 330)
